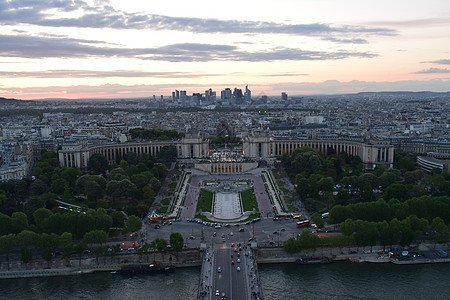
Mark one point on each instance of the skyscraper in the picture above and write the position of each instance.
(247, 95)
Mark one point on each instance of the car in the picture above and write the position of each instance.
(223, 296)
(214, 234)
(272, 243)
(217, 293)
(217, 227)
(282, 229)
(231, 233)
(241, 229)
(192, 237)
(275, 232)
(219, 270)
(238, 268)
(235, 250)
(232, 262)
(232, 244)
(236, 225)
(156, 226)
(232, 255)
(238, 260)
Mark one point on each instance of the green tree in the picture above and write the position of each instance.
(161, 245)
(176, 241)
(134, 224)
(398, 191)
(40, 218)
(317, 219)
(95, 237)
(438, 224)
(66, 241)
(58, 185)
(38, 187)
(48, 244)
(7, 243)
(291, 246)
(118, 219)
(98, 163)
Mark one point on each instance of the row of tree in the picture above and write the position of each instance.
(424, 207)
(75, 223)
(155, 134)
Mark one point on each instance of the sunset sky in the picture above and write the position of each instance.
(139, 48)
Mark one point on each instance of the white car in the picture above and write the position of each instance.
(238, 260)
(238, 268)
(217, 293)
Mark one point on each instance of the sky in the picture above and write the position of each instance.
(140, 48)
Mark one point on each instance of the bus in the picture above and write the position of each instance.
(303, 223)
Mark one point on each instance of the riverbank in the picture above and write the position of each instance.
(424, 254)
(87, 265)
(417, 254)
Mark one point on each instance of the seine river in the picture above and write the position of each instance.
(339, 280)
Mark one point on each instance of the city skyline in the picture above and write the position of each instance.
(101, 49)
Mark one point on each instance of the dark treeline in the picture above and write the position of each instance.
(155, 134)
(367, 204)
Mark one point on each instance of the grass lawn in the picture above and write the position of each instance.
(162, 210)
(205, 199)
(249, 200)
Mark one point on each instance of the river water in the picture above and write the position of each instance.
(339, 280)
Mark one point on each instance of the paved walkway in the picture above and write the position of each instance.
(227, 206)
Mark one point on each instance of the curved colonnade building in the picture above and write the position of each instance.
(372, 154)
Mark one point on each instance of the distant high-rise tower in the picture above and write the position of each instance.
(237, 95)
(284, 96)
(225, 96)
(177, 94)
(247, 95)
(182, 96)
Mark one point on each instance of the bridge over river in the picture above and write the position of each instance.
(229, 271)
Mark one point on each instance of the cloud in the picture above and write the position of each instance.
(101, 74)
(433, 71)
(41, 47)
(284, 74)
(355, 86)
(105, 16)
(440, 62)
(345, 41)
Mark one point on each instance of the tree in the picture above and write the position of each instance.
(398, 191)
(161, 244)
(134, 224)
(118, 219)
(117, 174)
(291, 246)
(139, 180)
(317, 219)
(48, 244)
(132, 158)
(176, 241)
(58, 185)
(95, 237)
(65, 240)
(406, 163)
(438, 224)
(302, 185)
(40, 217)
(98, 163)
(38, 187)
(93, 190)
(7, 242)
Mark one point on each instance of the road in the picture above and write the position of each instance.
(230, 281)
